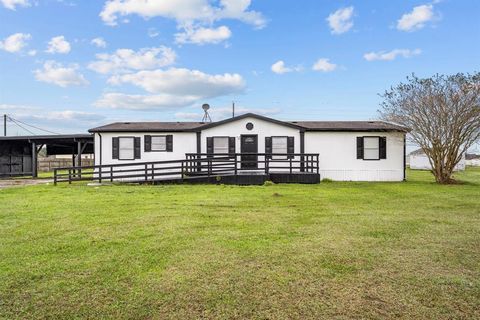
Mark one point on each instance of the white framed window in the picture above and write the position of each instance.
(159, 143)
(371, 148)
(126, 148)
(220, 145)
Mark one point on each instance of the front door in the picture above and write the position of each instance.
(249, 144)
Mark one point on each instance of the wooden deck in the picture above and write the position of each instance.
(203, 168)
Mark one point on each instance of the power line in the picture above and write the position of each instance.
(38, 128)
(18, 124)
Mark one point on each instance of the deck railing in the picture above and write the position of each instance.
(194, 165)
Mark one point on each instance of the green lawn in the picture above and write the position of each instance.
(333, 250)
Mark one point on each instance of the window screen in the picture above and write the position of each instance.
(126, 146)
(220, 145)
(159, 143)
(279, 145)
(371, 148)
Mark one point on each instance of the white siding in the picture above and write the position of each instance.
(338, 156)
(260, 127)
(183, 142)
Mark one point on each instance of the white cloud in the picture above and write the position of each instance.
(153, 33)
(32, 53)
(12, 4)
(280, 68)
(341, 20)
(222, 113)
(63, 76)
(391, 55)
(416, 19)
(15, 43)
(183, 82)
(58, 45)
(203, 35)
(143, 102)
(324, 65)
(172, 88)
(124, 60)
(183, 11)
(99, 42)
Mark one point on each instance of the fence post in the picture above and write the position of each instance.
(318, 169)
(236, 165)
(290, 165)
(111, 173)
(267, 164)
(182, 170)
(54, 177)
(146, 172)
(69, 176)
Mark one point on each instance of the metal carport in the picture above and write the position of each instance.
(19, 154)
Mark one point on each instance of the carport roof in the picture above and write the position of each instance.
(50, 138)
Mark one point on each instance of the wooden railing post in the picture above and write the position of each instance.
(111, 173)
(182, 171)
(290, 165)
(54, 177)
(236, 165)
(146, 172)
(69, 176)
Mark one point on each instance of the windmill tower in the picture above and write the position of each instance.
(206, 116)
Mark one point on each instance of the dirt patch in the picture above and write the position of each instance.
(9, 183)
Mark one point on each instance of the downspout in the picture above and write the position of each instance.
(100, 144)
(302, 150)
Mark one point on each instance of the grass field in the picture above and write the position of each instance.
(333, 250)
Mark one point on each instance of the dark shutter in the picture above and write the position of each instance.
(268, 145)
(148, 143)
(359, 147)
(169, 143)
(383, 147)
(210, 146)
(115, 148)
(136, 147)
(290, 146)
(231, 146)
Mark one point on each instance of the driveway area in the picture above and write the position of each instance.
(8, 183)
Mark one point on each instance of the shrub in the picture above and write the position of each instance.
(268, 183)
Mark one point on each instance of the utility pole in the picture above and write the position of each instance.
(233, 109)
(4, 125)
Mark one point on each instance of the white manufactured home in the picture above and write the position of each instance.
(418, 160)
(337, 150)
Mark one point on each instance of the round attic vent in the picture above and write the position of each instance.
(249, 126)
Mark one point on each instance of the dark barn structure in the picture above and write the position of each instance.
(19, 154)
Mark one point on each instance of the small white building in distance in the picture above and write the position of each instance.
(419, 161)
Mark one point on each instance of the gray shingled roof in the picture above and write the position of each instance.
(348, 125)
(195, 126)
(148, 127)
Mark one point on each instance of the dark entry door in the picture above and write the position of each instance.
(249, 144)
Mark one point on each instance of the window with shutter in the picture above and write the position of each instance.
(159, 143)
(279, 145)
(220, 145)
(371, 148)
(126, 148)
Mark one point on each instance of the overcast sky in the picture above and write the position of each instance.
(68, 65)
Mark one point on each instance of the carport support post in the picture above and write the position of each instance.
(34, 160)
(79, 158)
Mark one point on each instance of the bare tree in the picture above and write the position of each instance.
(443, 114)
